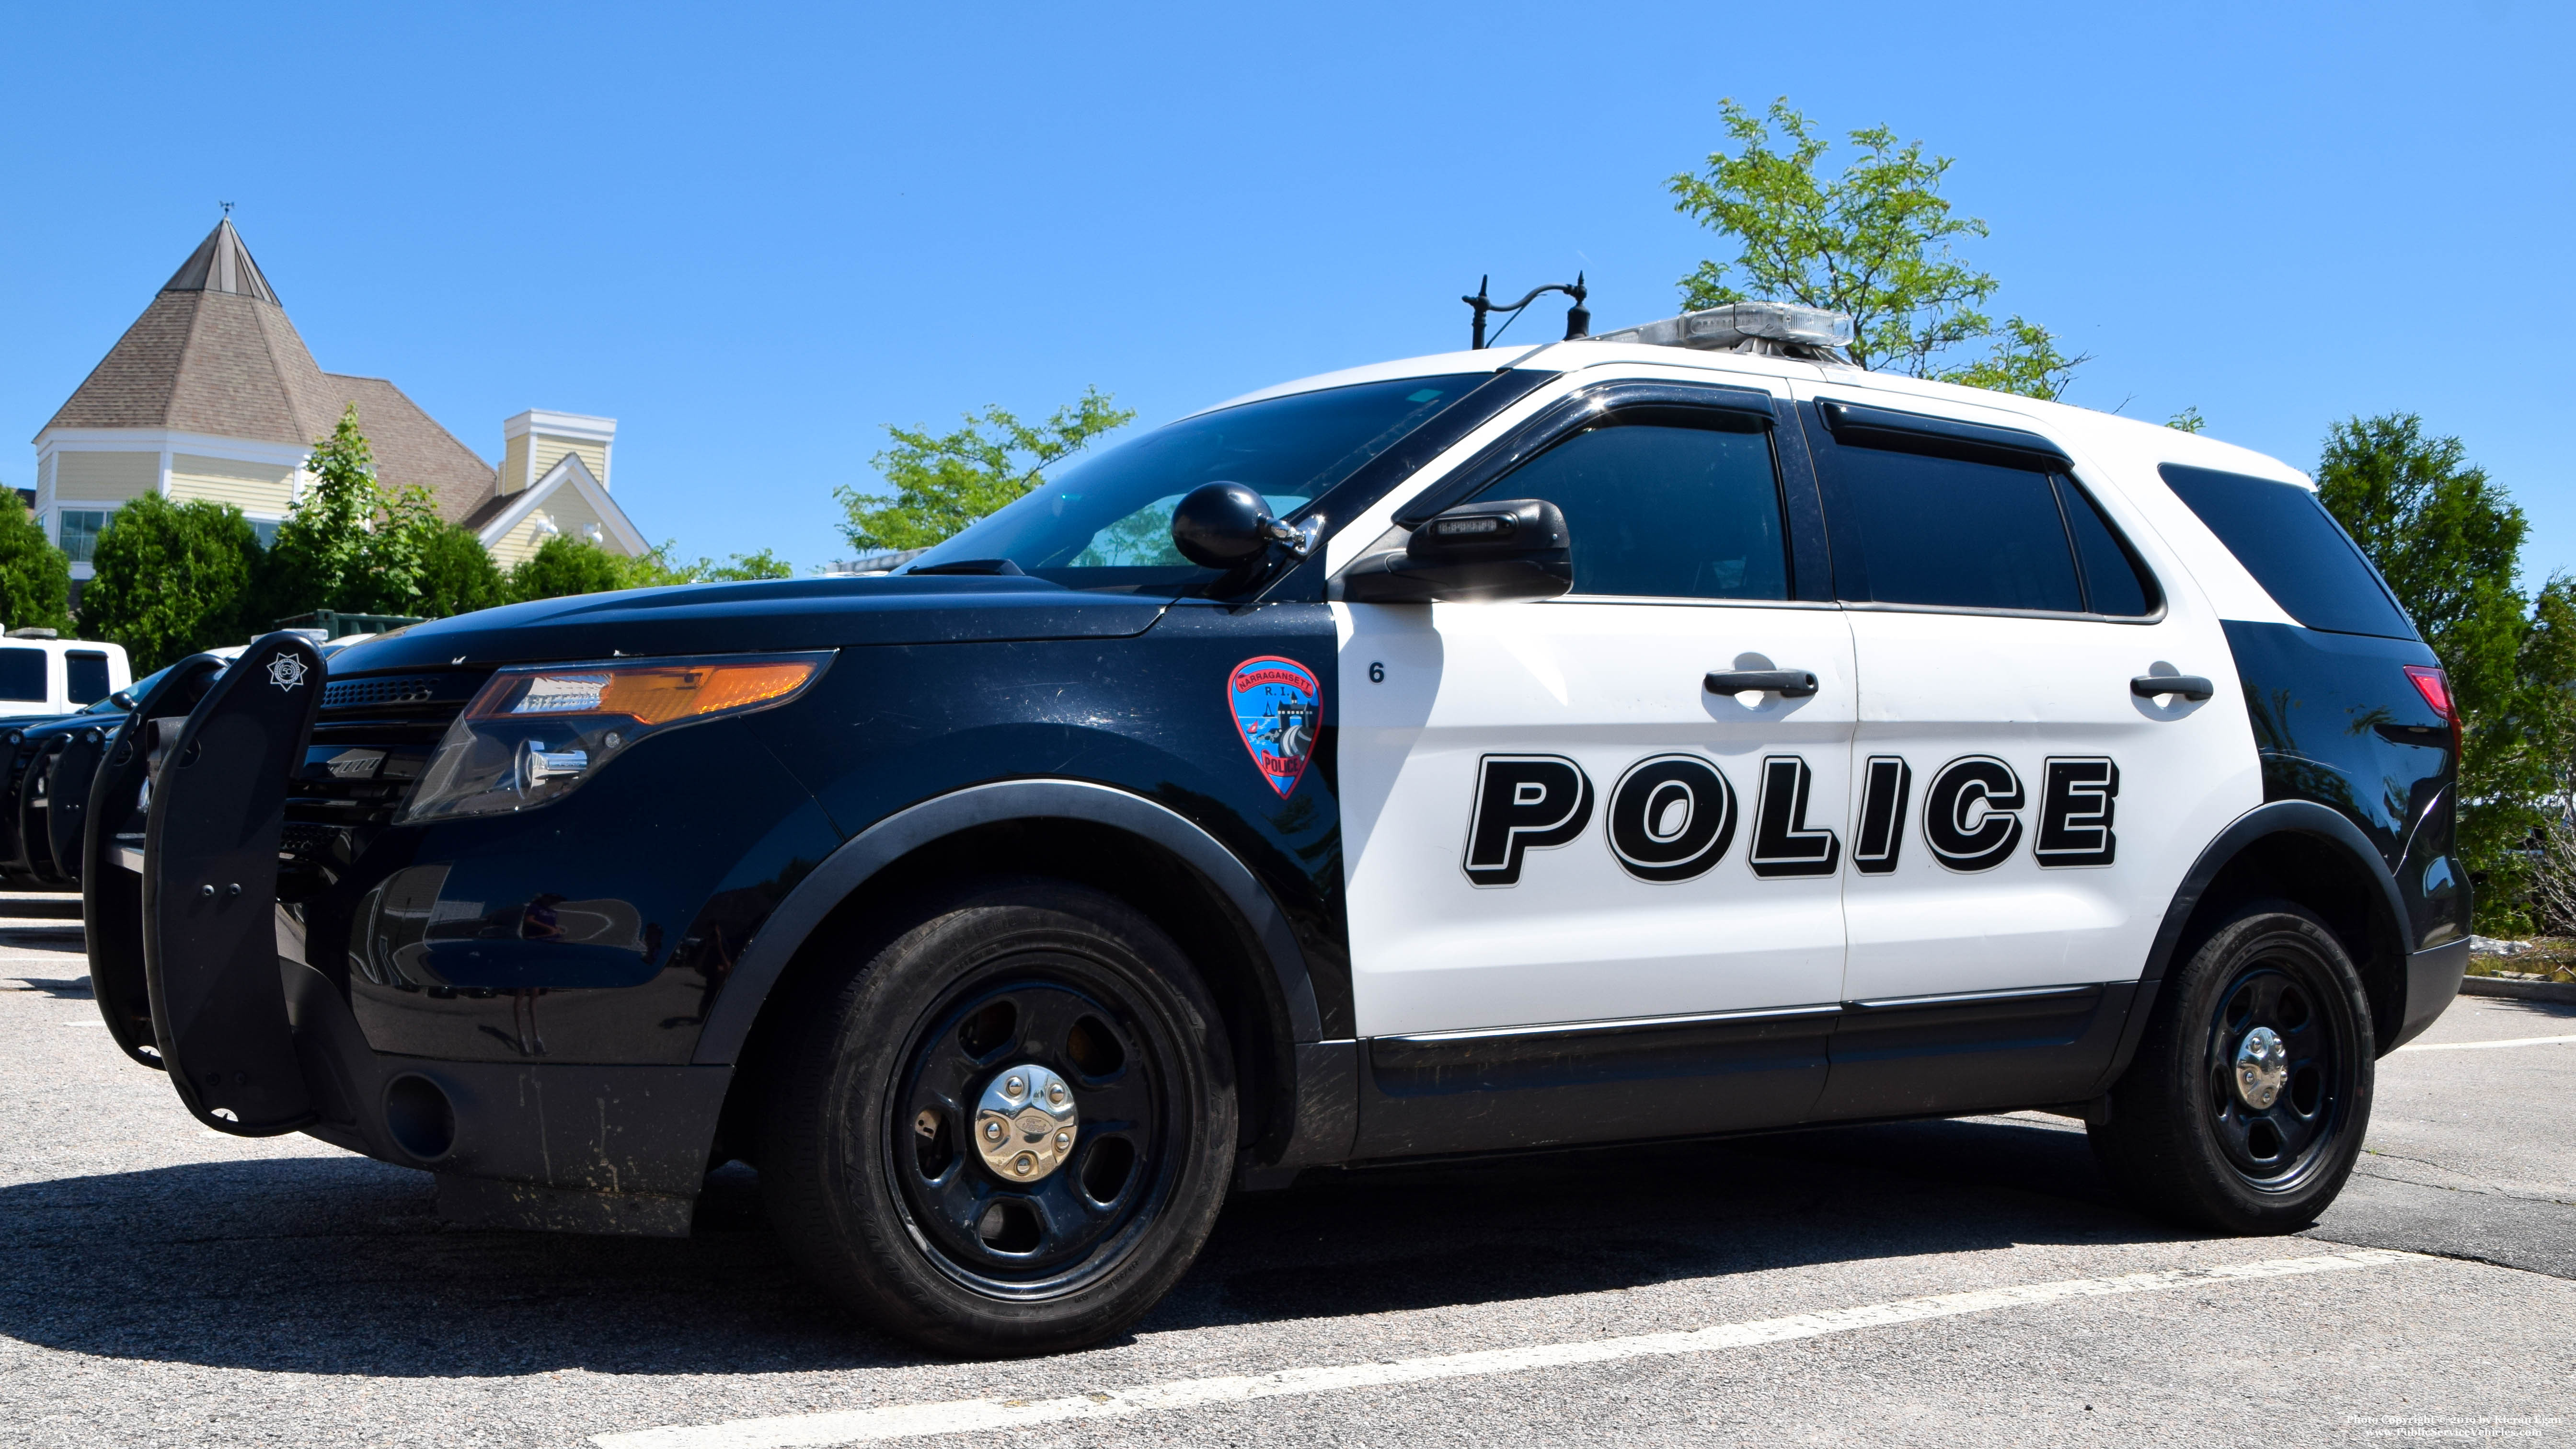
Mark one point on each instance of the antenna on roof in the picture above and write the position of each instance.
(1578, 321)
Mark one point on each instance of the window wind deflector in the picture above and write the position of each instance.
(1739, 408)
(1856, 426)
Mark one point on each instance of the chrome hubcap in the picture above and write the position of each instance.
(2262, 1068)
(1026, 1123)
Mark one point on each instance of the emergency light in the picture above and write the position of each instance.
(1745, 327)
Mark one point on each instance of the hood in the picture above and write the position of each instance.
(757, 617)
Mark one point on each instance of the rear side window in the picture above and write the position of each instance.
(87, 676)
(2115, 583)
(22, 675)
(2294, 549)
(1664, 512)
(1948, 532)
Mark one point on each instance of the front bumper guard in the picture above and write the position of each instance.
(185, 960)
(209, 888)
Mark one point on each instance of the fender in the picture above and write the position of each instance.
(899, 834)
(2277, 817)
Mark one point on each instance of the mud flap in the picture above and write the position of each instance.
(210, 893)
(111, 893)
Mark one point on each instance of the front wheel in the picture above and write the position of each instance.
(2245, 1108)
(1009, 1130)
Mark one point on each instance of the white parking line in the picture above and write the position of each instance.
(960, 1416)
(2479, 1046)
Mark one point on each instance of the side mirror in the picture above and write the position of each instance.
(1486, 552)
(1229, 526)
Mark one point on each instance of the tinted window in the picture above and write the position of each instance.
(1671, 512)
(85, 676)
(22, 674)
(1108, 522)
(2114, 582)
(1944, 531)
(2294, 549)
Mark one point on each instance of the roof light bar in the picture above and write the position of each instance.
(1745, 327)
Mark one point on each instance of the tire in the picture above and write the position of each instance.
(2189, 1143)
(872, 1170)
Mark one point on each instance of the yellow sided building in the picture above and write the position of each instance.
(212, 394)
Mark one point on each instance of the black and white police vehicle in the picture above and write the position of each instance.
(1666, 734)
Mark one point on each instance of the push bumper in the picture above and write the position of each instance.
(184, 946)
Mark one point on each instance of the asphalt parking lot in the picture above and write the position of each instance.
(1928, 1283)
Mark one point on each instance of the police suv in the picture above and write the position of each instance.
(1673, 733)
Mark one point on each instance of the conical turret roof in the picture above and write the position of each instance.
(215, 355)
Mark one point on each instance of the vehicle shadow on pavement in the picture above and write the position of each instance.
(1386, 1239)
(340, 1266)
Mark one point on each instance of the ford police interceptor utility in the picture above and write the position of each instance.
(1673, 733)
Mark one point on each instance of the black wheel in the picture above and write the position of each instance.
(1010, 1130)
(2245, 1108)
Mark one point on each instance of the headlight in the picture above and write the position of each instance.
(535, 734)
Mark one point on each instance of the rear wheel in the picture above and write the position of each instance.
(2245, 1108)
(1009, 1131)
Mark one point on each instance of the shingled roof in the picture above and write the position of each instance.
(215, 354)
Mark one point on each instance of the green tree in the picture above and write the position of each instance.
(35, 576)
(1874, 242)
(457, 575)
(943, 482)
(661, 567)
(2448, 540)
(350, 543)
(172, 578)
(2188, 420)
(563, 566)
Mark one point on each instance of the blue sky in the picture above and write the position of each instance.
(754, 235)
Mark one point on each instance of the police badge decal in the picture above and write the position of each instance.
(1277, 709)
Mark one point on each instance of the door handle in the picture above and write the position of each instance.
(1787, 683)
(2189, 686)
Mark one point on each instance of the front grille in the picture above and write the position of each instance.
(394, 711)
(309, 838)
(401, 689)
(373, 737)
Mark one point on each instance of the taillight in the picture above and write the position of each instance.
(2435, 686)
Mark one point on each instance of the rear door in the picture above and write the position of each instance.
(2022, 816)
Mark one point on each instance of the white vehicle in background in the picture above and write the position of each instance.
(44, 675)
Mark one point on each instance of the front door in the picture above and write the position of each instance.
(1551, 821)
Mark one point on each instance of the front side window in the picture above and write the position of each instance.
(1107, 523)
(22, 676)
(1664, 511)
(79, 532)
(85, 676)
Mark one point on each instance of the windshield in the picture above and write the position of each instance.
(1107, 524)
